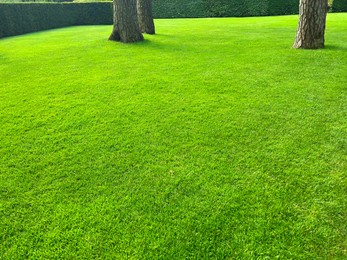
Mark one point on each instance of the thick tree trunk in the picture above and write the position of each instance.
(144, 12)
(311, 29)
(125, 26)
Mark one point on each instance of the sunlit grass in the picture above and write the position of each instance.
(211, 139)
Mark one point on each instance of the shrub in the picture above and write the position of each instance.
(19, 18)
(223, 8)
(339, 6)
(283, 7)
(178, 8)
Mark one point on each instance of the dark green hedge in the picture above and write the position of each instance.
(30, 17)
(19, 18)
(223, 8)
(339, 6)
(283, 7)
(178, 8)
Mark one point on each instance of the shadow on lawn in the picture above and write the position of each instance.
(176, 43)
(172, 44)
(335, 47)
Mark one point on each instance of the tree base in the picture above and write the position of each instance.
(114, 37)
(311, 28)
(310, 45)
(126, 27)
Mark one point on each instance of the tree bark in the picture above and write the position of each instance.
(144, 12)
(311, 29)
(125, 22)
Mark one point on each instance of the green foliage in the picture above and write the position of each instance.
(36, 1)
(223, 8)
(339, 6)
(18, 19)
(178, 8)
(29, 17)
(88, 1)
(211, 140)
(283, 7)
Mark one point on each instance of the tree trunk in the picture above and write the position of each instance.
(125, 26)
(310, 33)
(144, 12)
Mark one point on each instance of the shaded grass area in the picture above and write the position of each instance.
(212, 139)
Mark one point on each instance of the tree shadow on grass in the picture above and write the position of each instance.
(171, 45)
(146, 43)
(172, 42)
(335, 47)
(163, 38)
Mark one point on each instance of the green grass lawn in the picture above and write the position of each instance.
(211, 140)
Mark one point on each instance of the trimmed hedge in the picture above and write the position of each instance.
(339, 6)
(223, 8)
(283, 7)
(178, 8)
(35, 1)
(19, 18)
